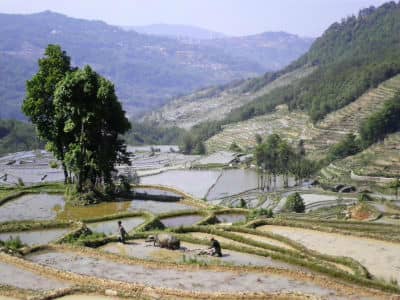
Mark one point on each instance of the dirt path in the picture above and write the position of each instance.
(381, 258)
(200, 280)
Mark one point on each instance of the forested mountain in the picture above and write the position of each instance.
(147, 70)
(350, 58)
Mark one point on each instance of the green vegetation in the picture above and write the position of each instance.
(153, 134)
(276, 157)
(260, 213)
(78, 114)
(295, 203)
(381, 123)
(17, 136)
(395, 185)
(12, 244)
(351, 57)
(349, 145)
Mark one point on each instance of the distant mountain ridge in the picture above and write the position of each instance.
(147, 70)
(177, 31)
(351, 57)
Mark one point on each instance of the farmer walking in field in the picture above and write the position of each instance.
(122, 232)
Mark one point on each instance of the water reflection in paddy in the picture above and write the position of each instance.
(231, 218)
(193, 182)
(32, 207)
(41, 207)
(211, 184)
(36, 237)
(158, 207)
(181, 221)
(93, 211)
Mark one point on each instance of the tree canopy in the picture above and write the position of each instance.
(78, 114)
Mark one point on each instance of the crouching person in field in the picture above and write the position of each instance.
(215, 249)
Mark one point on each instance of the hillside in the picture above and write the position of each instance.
(217, 102)
(147, 70)
(350, 58)
(296, 125)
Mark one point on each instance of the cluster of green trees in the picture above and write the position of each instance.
(381, 123)
(374, 129)
(275, 157)
(78, 114)
(17, 136)
(349, 145)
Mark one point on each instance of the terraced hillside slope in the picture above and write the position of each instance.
(349, 117)
(216, 102)
(296, 125)
(292, 126)
(379, 160)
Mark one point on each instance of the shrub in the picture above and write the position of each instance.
(235, 147)
(295, 203)
(13, 243)
(262, 212)
(53, 164)
(242, 203)
(364, 197)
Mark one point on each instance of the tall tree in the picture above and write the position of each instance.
(79, 116)
(93, 117)
(39, 102)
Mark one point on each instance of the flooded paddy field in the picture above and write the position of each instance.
(181, 221)
(36, 237)
(231, 218)
(24, 279)
(158, 207)
(32, 207)
(251, 262)
(44, 207)
(195, 182)
(210, 184)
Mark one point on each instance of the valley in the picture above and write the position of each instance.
(249, 167)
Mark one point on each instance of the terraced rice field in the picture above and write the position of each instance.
(296, 125)
(348, 118)
(381, 258)
(379, 160)
(291, 126)
(201, 280)
(255, 264)
(188, 111)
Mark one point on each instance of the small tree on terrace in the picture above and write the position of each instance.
(295, 203)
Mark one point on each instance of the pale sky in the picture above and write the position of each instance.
(232, 17)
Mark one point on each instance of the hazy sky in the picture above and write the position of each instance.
(232, 17)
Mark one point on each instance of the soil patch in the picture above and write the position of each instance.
(23, 279)
(381, 258)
